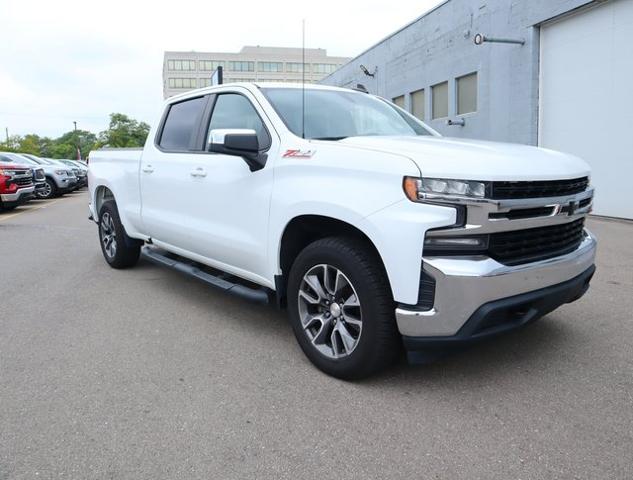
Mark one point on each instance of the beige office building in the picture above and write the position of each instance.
(184, 71)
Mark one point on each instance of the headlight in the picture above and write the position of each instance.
(6, 173)
(416, 188)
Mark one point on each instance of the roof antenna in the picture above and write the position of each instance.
(303, 80)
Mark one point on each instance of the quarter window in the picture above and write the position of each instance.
(440, 100)
(181, 124)
(232, 110)
(467, 94)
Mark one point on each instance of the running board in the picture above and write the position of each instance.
(160, 257)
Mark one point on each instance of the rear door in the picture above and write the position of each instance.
(166, 174)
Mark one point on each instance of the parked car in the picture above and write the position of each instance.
(16, 183)
(80, 171)
(374, 230)
(59, 178)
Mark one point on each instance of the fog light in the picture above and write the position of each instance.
(456, 245)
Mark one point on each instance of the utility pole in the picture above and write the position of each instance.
(77, 140)
(6, 131)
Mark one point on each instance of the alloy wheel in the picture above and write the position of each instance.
(47, 192)
(330, 311)
(108, 235)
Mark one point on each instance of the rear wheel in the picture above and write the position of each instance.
(341, 308)
(119, 250)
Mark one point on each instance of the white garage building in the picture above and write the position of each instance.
(553, 73)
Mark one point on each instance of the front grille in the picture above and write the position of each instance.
(23, 181)
(523, 246)
(538, 189)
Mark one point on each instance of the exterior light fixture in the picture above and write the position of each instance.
(481, 39)
(367, 72)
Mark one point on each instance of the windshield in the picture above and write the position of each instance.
(14, 157)
(335, 114)
(34, 159)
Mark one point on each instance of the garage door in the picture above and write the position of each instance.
(586, 98)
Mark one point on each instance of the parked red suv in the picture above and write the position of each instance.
(16, 184)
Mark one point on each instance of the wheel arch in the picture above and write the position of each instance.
(304, 229)
(101, 195)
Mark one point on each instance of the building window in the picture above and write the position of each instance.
(417, 104)
(439, 100)
(242, 66)
(178, 65)
(270, 66)
(235, 80)
(295, 67)
(210, 65)
(182, 83)
(323, 67)
(399, 101)
(467, 94)
(204, 82)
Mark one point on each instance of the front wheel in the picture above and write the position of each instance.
(119, 250)
(49, 190)
(341, 308)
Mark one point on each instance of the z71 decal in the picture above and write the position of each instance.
(295, 153)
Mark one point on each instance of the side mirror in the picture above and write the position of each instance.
(241, 142)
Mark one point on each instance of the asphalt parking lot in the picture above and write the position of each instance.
(147, 374)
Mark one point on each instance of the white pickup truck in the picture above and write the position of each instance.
(373, 230)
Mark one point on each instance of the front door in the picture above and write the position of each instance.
(222, 211)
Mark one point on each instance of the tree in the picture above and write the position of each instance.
(124, 132)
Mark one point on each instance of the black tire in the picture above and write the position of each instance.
(126, 250)
(378, 343)
(51, 190)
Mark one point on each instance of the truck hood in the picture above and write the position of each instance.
(443, 157)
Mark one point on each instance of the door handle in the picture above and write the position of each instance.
(198, 172)
(148, 169)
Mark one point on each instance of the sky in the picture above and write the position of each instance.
(69, 60)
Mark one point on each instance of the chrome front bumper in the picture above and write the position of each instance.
(464, 285)
(14, 197)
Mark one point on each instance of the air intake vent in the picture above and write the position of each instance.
(523, 246)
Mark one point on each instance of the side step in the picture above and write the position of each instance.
(221, 281)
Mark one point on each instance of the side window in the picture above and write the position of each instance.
(232, 110)
(182, 123)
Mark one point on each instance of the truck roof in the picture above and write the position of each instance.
(254, 86)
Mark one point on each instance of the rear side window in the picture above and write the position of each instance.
(181, 124)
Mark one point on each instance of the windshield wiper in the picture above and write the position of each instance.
(329, 138)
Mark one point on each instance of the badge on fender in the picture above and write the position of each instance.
(295, 153)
